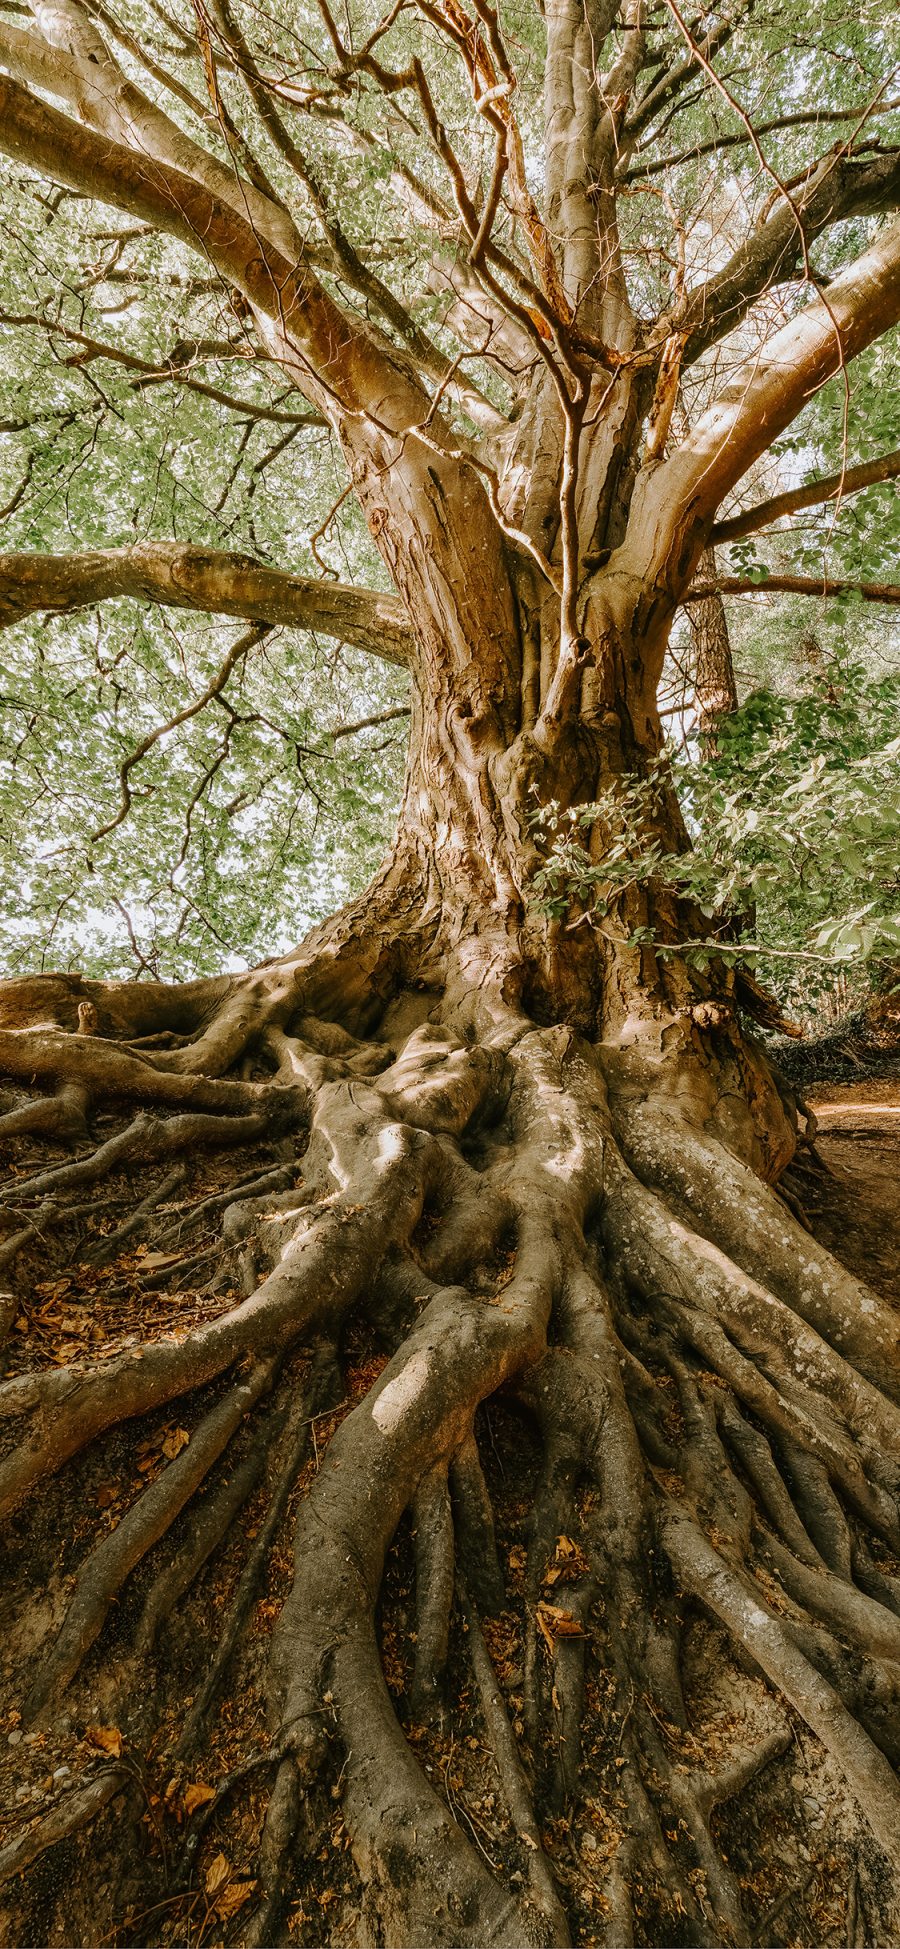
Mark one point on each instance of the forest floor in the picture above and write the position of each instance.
(801, 1883)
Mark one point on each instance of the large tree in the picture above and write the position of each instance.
(556, 280)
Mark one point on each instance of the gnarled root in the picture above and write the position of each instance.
(536, 1507)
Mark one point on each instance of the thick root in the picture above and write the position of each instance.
(522, 1411)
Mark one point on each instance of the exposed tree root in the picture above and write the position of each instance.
(435, 1565)
(135, 1226)
(212, 1518)
(146, 1140)
(62, 1116)
(701, 1569)
(72, 1813)
(514, 1785)
(708, 1408)
(322, 1387)
(105, 1570)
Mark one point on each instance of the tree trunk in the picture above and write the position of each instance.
(459, 1191)
(715, 687)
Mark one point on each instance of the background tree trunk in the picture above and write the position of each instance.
(715, 687)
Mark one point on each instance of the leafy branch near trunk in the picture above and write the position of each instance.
(797, 805)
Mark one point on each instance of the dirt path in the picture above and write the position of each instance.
(856, 1210)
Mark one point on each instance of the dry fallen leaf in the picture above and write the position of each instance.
(232, 1898)
(106, 1495)
(218, 1872)
(105, 1739)
(175, 1441)
(553, 1623)
(196, 1795)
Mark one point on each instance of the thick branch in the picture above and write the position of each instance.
(71, 60)
(346, 258)
(766, 394)
(221, 583)
(339, 361)
(811, 495)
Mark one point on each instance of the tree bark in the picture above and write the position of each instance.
(714, 685)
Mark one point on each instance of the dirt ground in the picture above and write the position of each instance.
(855, 1209)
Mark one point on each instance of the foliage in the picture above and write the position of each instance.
(251, 821)
(794, 823)
(247, 823)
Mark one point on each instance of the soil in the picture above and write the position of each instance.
(855, 1208)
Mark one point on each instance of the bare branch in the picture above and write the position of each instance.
(811, 495)
(794, 585)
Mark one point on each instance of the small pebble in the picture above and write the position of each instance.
(62, 1772)
(14, 1739)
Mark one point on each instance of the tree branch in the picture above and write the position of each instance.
(177, 370)
(71, 60)
(811, 495)
(663, 90)
(860, 113)
(838, 188)
(771, 388)
(794, 585)
(238, 653)
(345, 257)
(221, 583)
(340, 363)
